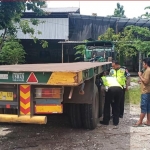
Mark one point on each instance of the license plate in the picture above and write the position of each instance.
(8, 96)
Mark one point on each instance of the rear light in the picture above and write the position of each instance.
(48, 92)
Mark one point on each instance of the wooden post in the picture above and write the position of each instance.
(117, 26)
(139, 61)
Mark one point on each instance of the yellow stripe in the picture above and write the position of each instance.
(25, 86)
(25, 96)
(25, 106)
(80, 77)
(63, 78)
(49, 109)
(21, 113)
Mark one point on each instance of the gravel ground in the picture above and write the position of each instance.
(58, 135)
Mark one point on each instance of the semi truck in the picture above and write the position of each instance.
(30, 92)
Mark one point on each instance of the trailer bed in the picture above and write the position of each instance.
(62, 74)
(53, 67)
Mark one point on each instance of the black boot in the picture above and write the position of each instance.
(121, 116)
(104, 122)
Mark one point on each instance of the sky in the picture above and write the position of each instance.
(104, 8)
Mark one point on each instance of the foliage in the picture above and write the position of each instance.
(44, 43)
(119, 11)
(11, 22)
(137, 38)
(12, 52)
(147, 14)
(80, 50)
(131, 40)
(109, 35)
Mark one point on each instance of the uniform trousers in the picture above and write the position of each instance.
(114, 94)
(122, 101)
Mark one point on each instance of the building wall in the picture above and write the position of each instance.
(51, 54)
(52, 28)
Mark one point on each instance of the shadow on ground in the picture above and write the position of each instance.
(58, 135)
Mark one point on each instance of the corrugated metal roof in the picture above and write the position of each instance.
(72, 42)
(60, 10)
(122, 22)
(63, 9)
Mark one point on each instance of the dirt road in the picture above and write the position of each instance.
(58, 135)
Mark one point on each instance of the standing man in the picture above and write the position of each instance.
(123, 77)
(145, 96)
(113, 92)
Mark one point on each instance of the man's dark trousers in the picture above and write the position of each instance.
(114, 93)
(122, 101)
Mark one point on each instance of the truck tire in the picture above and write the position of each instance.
(75, 115)
(90, 112)
(101, 101)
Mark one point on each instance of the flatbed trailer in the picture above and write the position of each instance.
(29, 91)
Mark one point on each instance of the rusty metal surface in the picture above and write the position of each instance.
(59, 67)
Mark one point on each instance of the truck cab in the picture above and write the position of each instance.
(99, 51)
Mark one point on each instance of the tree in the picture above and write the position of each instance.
(119, 11)
(12, 52)
(80, 50)
(136, 39)
(130, 41)
(45, 5)
(109, 35)
(147, 14)
(10, 20)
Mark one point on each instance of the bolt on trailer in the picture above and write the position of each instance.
(29, 92)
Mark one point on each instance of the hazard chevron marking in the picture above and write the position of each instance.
(25, 90)
(24, 101)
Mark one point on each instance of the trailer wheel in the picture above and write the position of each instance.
(101, 102)
(75, 115)
(90, 112)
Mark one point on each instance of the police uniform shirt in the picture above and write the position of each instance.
(126, 74)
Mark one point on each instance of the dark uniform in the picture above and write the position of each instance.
(113, 92)
(116, 73)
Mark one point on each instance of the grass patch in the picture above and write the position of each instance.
(133, 96)
(134, 79)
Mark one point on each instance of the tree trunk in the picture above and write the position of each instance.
(3, 38)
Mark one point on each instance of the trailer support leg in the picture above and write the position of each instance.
(71, 92)
(82, 89)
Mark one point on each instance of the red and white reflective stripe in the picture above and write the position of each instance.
(48, 92)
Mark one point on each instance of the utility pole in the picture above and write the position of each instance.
(117, 26)
(140, 58)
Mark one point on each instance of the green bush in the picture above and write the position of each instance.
(12, 52)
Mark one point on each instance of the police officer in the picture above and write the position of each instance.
(123, 77)
(113, 92)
